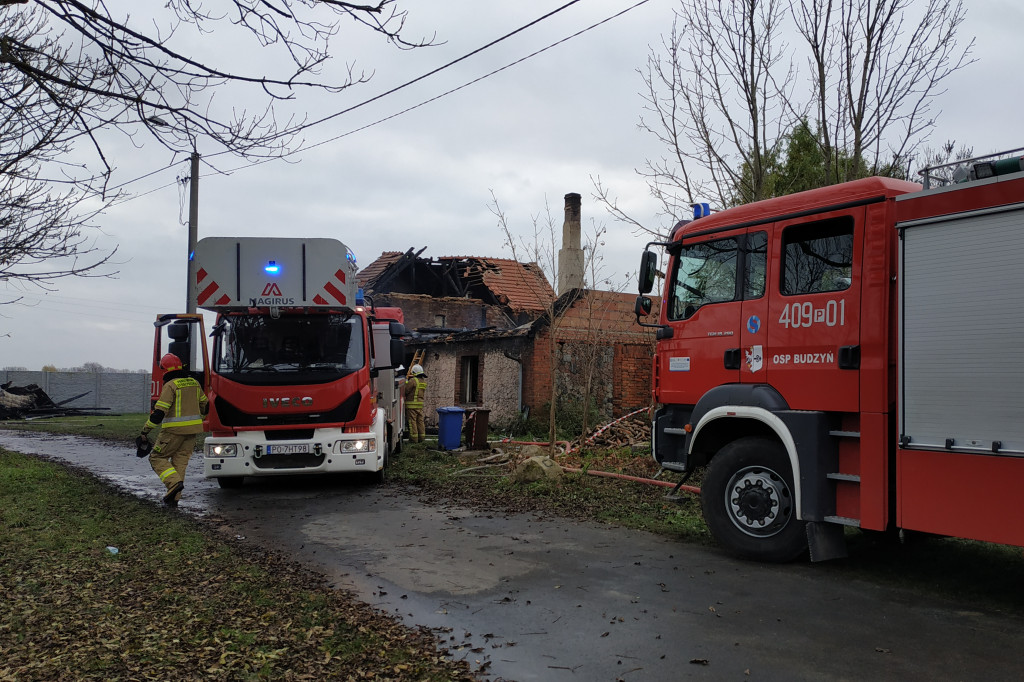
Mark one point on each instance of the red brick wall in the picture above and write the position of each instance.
(633, 366)
(630, 373)
(421, 310)
(537, 374)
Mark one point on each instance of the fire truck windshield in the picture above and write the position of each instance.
(705, 273)
(262, 349)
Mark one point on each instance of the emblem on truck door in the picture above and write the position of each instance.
(288, 402)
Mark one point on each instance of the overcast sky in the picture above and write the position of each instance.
(530, 134)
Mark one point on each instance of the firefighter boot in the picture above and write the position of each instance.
(174, 494)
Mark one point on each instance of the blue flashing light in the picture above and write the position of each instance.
(272, 268)
(360, 298)
(701, 210)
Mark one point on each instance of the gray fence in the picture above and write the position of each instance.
(114, 391)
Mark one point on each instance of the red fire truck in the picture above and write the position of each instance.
(847, 356)
(303, 374)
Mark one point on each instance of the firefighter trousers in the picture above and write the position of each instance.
(414, 423)
(170, 457)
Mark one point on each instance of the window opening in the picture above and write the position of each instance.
(755, 265)
(469, 375)
(817, 257)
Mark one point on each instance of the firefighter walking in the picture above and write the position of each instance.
(415, 390)
(179, 410)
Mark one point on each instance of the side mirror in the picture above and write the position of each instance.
(642, 307)
(397, 352)
(648, 271)
(396, 329)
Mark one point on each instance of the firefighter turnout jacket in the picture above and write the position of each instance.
(180, 407)
(415, 389)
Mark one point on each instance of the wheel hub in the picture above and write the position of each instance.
(759, 501)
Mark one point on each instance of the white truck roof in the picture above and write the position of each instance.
(282, 272)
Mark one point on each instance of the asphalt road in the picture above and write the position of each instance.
(525, 597)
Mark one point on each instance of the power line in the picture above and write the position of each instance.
(81, 306)
(400, 87)
(143, 177)
(437, 70)
(474, 81)
(368, 101)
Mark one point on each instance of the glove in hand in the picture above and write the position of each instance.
(142, 446)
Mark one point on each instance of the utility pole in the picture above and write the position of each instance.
(193, 231)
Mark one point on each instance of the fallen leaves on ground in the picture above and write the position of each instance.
(174, 603)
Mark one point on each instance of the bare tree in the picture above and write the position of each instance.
(877, 66)
(716, 98)
(590, 351)
(43, 194)
(72, 72)
(725, 104)
(579, 343)
(140, 69)
(541, 249)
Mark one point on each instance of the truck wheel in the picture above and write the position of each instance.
(748, 502)
(230, 481)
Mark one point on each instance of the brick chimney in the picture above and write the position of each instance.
(570, 256)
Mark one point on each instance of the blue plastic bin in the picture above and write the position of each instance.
(449, 427)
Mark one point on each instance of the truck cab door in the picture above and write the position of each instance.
(814, 311)
(703, 308)
(184, 336)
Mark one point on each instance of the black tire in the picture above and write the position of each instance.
(748, 502)
(230, 481)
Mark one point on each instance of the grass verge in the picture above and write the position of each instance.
(100, 585)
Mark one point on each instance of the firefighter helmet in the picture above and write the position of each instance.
(170, 362)
(415, 371)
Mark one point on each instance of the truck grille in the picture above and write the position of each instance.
(232, 416)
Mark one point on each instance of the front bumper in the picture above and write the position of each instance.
(249, 453)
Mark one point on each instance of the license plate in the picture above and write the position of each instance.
(288, 449)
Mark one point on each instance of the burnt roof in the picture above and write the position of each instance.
(521, 287)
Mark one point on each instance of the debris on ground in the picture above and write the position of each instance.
(536, 468)
(32, 402)
(630, 431)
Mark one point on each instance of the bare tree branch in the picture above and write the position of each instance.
(884, 60)
(722, 99)
(74, 72)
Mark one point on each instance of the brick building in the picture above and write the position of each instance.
(482, 324)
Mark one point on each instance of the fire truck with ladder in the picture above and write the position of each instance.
(302, 375)
(850, 356)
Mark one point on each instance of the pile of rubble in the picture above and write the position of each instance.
(32, 402)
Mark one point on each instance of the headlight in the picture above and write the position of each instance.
(224, 450)
(356, 446)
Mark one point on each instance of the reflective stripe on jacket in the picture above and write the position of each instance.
(184, 405)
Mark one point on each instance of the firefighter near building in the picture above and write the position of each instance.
(847, 356)
(301, 376)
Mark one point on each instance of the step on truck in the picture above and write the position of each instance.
(301, 375)
(850, 356)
